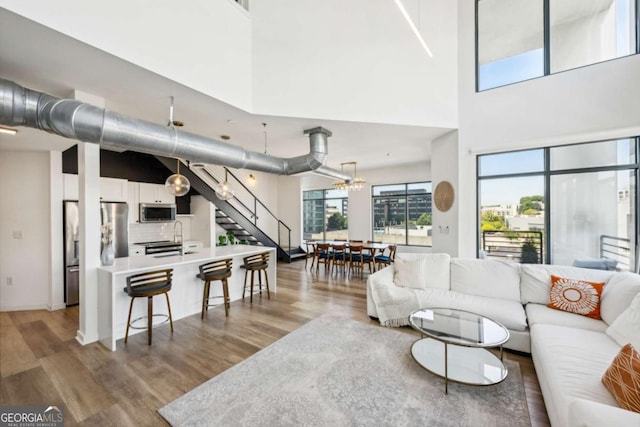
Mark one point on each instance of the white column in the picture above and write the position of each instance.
(444, 167)
(56, 268)
(89, 204)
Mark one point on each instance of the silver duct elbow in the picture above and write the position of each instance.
(76, 120)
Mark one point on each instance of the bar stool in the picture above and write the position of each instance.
(147, 285)
(210, 272)
(259, 263)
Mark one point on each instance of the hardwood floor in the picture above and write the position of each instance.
(42, 364)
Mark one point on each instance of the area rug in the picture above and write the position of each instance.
(334, 372)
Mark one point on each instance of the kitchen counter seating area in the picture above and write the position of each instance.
(186, 293)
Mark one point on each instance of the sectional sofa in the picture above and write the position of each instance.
(570, 352)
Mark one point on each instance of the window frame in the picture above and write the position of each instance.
(547, 45)
(548, 173)
(406, 195)
(324, 199)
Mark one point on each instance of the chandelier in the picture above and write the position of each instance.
(355, 183)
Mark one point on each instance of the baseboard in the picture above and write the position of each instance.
(80, 337)
(24, 307)
(56, 307)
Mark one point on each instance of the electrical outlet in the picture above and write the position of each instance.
(17, 234)
(9, 280)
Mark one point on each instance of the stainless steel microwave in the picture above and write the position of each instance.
(157, 212)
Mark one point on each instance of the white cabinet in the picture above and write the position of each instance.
(154, 193)
(113, 190)
(136, 250)
(133, 199)
(192, 246)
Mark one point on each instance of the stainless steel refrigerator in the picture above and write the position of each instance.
(116, 213)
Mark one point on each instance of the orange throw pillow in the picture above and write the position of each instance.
(575, 296)
(622, 379)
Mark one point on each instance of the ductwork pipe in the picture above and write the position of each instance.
(73, 119)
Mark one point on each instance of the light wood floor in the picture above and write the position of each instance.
(42, 364)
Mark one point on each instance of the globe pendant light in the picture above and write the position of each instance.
(177, 184)
(223, 190)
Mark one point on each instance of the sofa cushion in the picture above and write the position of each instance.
(410, 274)
(539, 313)
(622, 378)
(535, 279)
(569, 363)
(587, 413)
(618, 294)
(575, 296)
(420, 271)
(509, 313)
(626, 328)
(486, 277)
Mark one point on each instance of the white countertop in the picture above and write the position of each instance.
(139, 263)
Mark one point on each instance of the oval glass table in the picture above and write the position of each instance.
(454, 345)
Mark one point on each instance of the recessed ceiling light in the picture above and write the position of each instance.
(8, 131)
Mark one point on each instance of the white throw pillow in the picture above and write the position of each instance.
(618, 294)
(410, 273)
(486, 278)
(626, 328)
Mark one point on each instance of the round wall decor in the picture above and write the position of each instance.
(443, 196)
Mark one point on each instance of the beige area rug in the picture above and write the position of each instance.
(338, 372)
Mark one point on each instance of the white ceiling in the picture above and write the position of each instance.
(42, 59)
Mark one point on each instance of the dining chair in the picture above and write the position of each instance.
(339, 255)
(323, 256)
(355, 258)
(383, 260)
(310, 247)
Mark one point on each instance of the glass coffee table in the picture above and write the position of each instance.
(454, 346)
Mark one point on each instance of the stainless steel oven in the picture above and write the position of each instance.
(162, 248)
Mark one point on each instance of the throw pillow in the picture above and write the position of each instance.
(622, 379)
(626, 328)
(410, 274)
(575, 296)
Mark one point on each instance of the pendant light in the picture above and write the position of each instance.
(176, 184)
(223, 190)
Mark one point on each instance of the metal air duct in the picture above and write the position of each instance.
(73, 119)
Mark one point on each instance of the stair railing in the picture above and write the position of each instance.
(252, 208)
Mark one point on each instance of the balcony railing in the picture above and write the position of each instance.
(617, 249)
(513, 245)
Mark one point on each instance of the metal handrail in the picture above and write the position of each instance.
(616, 248)
(510, 244)
(247, 203)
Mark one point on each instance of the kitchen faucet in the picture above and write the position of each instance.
(175, 235)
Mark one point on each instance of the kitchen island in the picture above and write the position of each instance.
(185, 295)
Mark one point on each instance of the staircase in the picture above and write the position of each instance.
(244, 215)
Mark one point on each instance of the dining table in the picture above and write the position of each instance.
(372, 247)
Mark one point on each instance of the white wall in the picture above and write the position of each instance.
(25, 207)
(591, 103)
(290, 206)
(444, 152)
(355, 60)
(213, 37)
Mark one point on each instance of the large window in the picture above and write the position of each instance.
(561, 205)
(324, 214)
(402, 213)
(522, 39)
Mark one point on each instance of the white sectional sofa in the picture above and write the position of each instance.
(570, 352)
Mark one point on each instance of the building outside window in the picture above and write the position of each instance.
(561, 205)
(325, 215)
(402, 213)
(522, 39)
